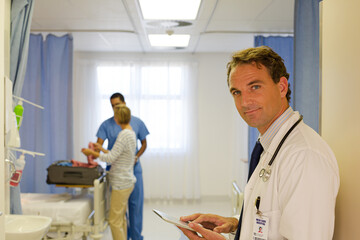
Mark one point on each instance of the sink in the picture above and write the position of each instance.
(29, 227)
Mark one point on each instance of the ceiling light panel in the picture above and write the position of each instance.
(169, 9)
(165, 40)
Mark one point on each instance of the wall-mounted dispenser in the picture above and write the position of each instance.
(19, 167)
(12, 137)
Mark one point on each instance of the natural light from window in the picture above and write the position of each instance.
(155, 94)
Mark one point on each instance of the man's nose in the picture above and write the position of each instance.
(245, 99)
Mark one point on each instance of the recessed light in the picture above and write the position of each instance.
(165, 40)
(168, 23)
(169, 9)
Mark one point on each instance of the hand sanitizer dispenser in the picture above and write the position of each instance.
(19, 166)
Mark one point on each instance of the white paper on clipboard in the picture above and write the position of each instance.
(171, 219)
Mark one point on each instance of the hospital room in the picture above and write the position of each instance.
(119, 117)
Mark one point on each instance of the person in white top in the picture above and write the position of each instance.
(122, 178)
(293, 195)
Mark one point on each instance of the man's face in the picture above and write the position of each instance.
(257, 98)
(116, 101)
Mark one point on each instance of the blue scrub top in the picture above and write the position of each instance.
(109, 130)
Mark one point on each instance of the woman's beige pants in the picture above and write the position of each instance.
(117, 219)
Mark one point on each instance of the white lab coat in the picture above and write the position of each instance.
(299, 197)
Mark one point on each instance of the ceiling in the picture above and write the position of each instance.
(118, 26)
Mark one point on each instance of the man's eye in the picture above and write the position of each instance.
(255, 87)
(236, 93)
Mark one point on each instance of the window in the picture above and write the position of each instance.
(112, 79)
(164, 95)
(155, 93)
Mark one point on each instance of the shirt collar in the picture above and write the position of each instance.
(268, 136)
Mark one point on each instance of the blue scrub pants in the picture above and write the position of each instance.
(135, 206)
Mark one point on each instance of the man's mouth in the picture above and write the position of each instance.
(251, 111)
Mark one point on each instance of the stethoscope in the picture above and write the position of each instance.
(265, 173)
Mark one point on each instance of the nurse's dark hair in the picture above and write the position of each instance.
(122, 113)
(261, 55)
(118, 95)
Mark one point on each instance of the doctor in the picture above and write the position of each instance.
(292, 192)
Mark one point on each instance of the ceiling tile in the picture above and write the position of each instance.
(117, 25)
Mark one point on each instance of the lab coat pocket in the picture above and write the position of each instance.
(274, 220)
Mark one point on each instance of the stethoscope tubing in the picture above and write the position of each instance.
(283, 140)
(265, 174)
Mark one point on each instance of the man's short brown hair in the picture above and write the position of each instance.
(261, 55)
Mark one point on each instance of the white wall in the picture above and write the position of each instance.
(340, 106)
(4, 71)
(2, 96)
(222, 134)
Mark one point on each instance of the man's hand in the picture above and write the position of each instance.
(212, 226)
(213, 222)
(97, 147)
(205, 233)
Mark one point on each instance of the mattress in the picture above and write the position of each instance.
(62, 208)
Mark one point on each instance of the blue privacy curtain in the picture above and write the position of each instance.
(306, 68)
(48, 82)
(21, 14)
(284, 46)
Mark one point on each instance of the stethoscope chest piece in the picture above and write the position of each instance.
(265, 174)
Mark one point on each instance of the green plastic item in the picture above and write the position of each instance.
(19, 110)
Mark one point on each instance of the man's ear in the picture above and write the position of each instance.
(283, 86)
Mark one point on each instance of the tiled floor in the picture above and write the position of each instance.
(156, 229)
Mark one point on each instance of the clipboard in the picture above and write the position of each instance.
(173, 220)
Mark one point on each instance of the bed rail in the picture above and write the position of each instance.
(96, 221)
